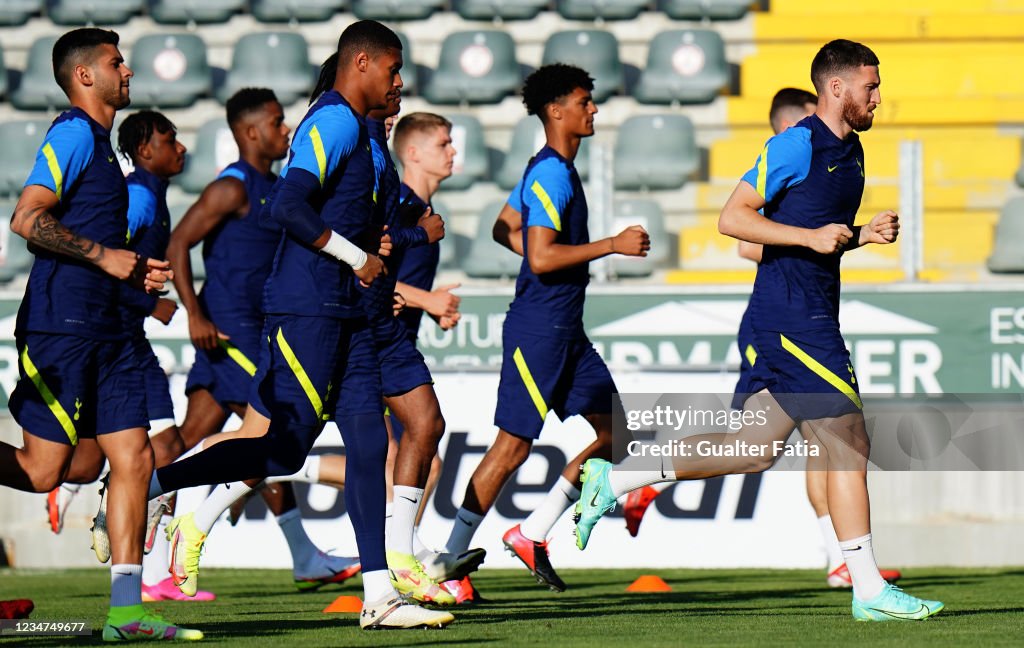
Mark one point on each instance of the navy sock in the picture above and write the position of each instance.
(366, 448)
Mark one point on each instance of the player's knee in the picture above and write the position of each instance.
(86, 474)
(44, 479)
(167, 446)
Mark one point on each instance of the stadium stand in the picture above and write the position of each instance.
(395, 9)
(410, 70)
(17, 12)
(704, 9)
(655, 152)
(277, 60)
(37, 90)
(472, 160)
(170, 70)
(3, 73)
(594, 50)
(487, 259)
(21, 140)
(498, 9)
(1008, 255)
(601, 9)
(476, 66)
(183, 12)
(215, 149)
(92, 12)
(527, 139)
(15, 259)
(273, 11)
(685, 66)
(647, 214)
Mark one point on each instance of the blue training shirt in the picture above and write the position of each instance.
(149, 231)
(65, 295)
(551, 196)
(331, 145)
(809, 178)
(419, 267)
(238, 255)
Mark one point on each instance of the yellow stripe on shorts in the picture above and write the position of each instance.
(751, 354)
(48, 397)
(300, 374)
(236, 354)
(531, 384)
(822, 371)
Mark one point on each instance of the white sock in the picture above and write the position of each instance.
(71, 488)
(125, 585)
(466, 523)
(377, 586)
(219, 500)
(417, 544)
(196, 449)
(860, 560)
(405, 506)
(832, 550)
(155, 566)
(309, 473)
(637, 472)
(389, 517)
(558, 500)
(302, 548)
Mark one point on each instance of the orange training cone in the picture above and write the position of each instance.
(649, 583)
(345, 604)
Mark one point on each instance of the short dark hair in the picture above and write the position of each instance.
(248, 100)
(136, 130)
(837, 58)
(550, 83)
(417, 122)
(367, 36)
(76, 47)
(789, 101)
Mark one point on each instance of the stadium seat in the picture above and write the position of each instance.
(684, 65)
(92, 12)
(296, 10)
(410, 71)
(215, 149)
(1020, 170)
(277, 60)
(21, 140)
(475, 67)
(3, 73)
(170, 70)
(1008, 251)
(487, 259)
(601, 9)
(648, 214)
(471, 157)
(655, 152)
(17, 12)
(198, 264)
(181, 12)
(449, 253)
(595, 51)
(15, 259)
(527, 139)
(498, 9)
(701, 9)
(37, 89)
(395, 9)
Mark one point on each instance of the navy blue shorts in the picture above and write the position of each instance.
(402, 367)
(746, 384)
(539, 374)
(226, 372)
(158, 391)
(73, 387)
(314, 369)
(809, 373)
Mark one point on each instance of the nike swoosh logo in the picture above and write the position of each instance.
(110, 158)
(593, 500)
(904, 615)
(414, 581)
(463, 521)
(833, 168)
(146, 632)
(408, 499)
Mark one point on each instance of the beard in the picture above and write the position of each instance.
(857, 117)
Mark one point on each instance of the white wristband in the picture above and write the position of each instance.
(342, 249)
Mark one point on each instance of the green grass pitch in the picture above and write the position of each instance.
(706, 607)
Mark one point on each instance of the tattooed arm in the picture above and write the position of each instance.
(33, 221)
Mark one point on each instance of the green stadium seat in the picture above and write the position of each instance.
(476, 66)
(655, 152)
(215, 149)
(17, 12)
(1008, 251)
(21, 141)
(410, 71)
(527, 140)
(92, 12)
(648, 214)
(471, 157)
(195, 255)
(595, 51)
(601, 9)
(701, 9)
(276, 60)
(15, 259)
(499, 9)
(3, 73)
(395, 9)
(486, 259)
(296, 10)
(449, 253)
(182, 12)
(37, 89)
(685, 66)
(170, 70)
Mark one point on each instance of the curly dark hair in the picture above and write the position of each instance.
(552, 82)
(138, 128)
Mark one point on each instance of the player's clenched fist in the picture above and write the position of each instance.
(883, 228)
(372, 269)
(829, 239)
(632, 241)
(432, 224)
